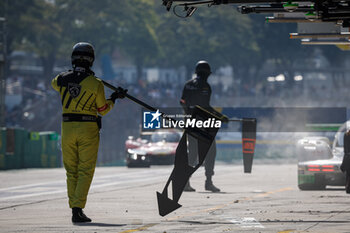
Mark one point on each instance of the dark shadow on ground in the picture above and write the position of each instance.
(298, 221)
(98, 224)
(326, 189)
(209, 192)
(265, 221)
(334, 189)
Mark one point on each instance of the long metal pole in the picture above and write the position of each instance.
(135, 100)
(143, 104)
(154, 109)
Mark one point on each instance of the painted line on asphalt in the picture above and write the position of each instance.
(93, 187)
(32, 195)
(145, 227)
(96, 179)
(273, 192)
(99, 182)
(31, 185)
(247, 222)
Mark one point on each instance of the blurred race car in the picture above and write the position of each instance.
(155, 148)
(319, 163)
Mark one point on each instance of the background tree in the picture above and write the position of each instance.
(336, 59)
(139, 39)
(14, 11)
(277, 47)
(216, 35)
(45, 34)
(150, 36)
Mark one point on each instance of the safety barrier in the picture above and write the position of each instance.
(20, 148)
(2, 147)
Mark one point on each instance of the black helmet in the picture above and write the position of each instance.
(203, 67)
(83, 55)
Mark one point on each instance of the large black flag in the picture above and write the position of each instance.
(182, 170)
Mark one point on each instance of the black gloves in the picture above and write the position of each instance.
(118, 94)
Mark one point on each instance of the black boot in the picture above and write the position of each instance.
(209, 186)
(347, 185)
(188, 187)
(79, 216)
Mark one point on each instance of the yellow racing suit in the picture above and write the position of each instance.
(83, 98)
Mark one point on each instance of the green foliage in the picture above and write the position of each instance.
(149, 35)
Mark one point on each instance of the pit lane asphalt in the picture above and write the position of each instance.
(124, 200)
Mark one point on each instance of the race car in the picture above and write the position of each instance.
(319, 163)
(155, 148)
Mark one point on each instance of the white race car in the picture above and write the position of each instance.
(319, 162)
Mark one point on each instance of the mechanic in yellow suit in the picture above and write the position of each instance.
(83, 98)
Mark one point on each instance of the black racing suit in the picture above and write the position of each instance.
(197, 92)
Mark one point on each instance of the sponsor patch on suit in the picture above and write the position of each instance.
(74, 89)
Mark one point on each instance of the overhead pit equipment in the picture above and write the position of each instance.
(325, 13)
